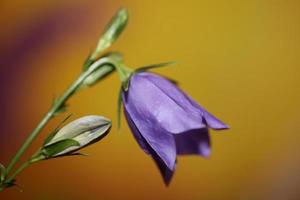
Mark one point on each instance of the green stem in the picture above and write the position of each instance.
(21, 168)
(55, 107)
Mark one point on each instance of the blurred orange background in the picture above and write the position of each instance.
(239, 59)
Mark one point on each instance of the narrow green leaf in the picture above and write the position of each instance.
(149, 67)
(79, 154)
(58, 147)
(119, 106)
(88, 62)
(50, 136)
(62, 109)
(146, 68)
(37, 157)
(74, 154)
(125, 84)
(53, 133)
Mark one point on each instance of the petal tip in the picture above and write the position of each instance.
(204, 150)
(206, 153)
(221, 126)
(214, 123)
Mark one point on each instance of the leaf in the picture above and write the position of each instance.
(146, 68)
(50, 136)
(3, 172)
(62, 109)
(149, 67)
(119, 105)
(53, 133)
(58, 147)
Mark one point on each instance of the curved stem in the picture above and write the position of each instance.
(53, 110)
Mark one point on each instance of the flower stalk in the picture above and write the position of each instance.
(165, 121)
(96, 67)
(56, 108)
(58, 104)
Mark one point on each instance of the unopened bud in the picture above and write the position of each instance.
(112, 32)
(74, 136)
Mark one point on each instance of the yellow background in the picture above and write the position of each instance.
(239, 59)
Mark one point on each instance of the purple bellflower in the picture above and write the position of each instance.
(166, 122)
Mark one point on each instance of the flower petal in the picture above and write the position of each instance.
(166, 173)
(173, 92)
(161, 141)
(136, 133)
(173, 114)
(193, 142)
(185, 101)
(163, 168)
(213, 122)
(208, 118)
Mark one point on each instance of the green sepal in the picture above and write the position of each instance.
(149, 67)
(37, 157)
(73, 154)
(58, 147)
(61, 109)
(53, 133)
(78, 154)
(125, 84)
(7, 184)
(50, 136)
(87, 63)
(3, 173)
(125, 75)
(119, 105)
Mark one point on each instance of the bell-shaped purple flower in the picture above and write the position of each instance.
(166, 122)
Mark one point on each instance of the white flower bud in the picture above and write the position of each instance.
(76, 135)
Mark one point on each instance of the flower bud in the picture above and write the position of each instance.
(102, 71)
(75, 135)
(112, 32)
